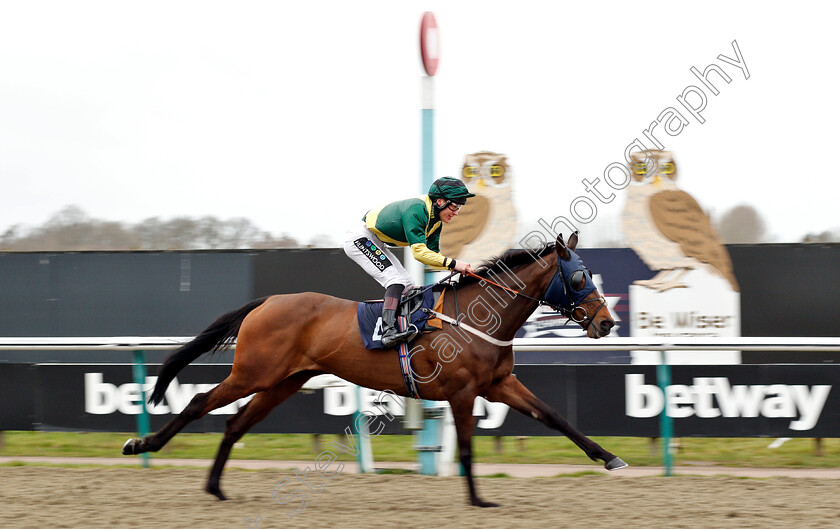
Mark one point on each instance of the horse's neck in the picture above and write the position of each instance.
(509, 310)
(536, 277)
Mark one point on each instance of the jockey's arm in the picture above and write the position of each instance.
(438, 261)
(430, 258)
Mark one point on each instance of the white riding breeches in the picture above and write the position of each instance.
(378, 261)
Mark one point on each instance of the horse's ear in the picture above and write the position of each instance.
(560, 248)
(573, 240)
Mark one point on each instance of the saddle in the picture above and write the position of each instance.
(411, 307)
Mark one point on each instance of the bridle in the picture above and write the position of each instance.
(567, 310)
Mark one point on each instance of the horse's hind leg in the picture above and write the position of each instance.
(239, 424)
(203, 403)
(510, 391)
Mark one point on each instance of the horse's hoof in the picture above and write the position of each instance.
(216, 491)
(478, 503)
(615, 464)
(130, 447)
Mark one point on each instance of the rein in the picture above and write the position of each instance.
(512, 291)
(568, 312)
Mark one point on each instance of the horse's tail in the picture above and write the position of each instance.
(219, 334)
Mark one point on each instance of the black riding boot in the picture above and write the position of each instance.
(390, 335)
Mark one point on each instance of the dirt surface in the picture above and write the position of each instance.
(697, 468)
(55, 497)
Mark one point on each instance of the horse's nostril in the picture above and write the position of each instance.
(606, 325)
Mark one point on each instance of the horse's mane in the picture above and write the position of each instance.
(508, 260)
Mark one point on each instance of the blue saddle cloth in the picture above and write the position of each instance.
(369, 314)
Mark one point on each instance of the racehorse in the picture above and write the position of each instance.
(284, 340)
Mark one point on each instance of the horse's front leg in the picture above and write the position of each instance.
(510, 391)
(464, 426)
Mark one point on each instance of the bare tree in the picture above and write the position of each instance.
(240, 233)
(268, 240)
(742, 224)
(9, 237)
(71, 229)
(826, 236)
(150, 234)
(321, 240)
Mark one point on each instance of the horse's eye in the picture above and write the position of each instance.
(577, 279)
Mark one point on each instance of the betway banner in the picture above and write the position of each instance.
(709, 401)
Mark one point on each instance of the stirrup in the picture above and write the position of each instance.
(398, 337)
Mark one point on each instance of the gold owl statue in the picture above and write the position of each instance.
(667, 228)
(486, 226)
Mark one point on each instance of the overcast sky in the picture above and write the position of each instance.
(303, 115)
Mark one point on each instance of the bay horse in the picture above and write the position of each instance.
(284, 340)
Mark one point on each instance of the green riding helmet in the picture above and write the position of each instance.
(451, 189)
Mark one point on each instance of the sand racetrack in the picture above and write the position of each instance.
(55, 497)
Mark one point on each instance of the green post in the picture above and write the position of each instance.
(430, 435)
(360, 429)
(138, 368)
(429, 438)
(666, 423)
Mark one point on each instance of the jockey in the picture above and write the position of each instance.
(415, 222)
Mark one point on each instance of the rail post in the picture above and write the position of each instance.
(666, 423)
(428, 447)
(138, 369)
(360, 428)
